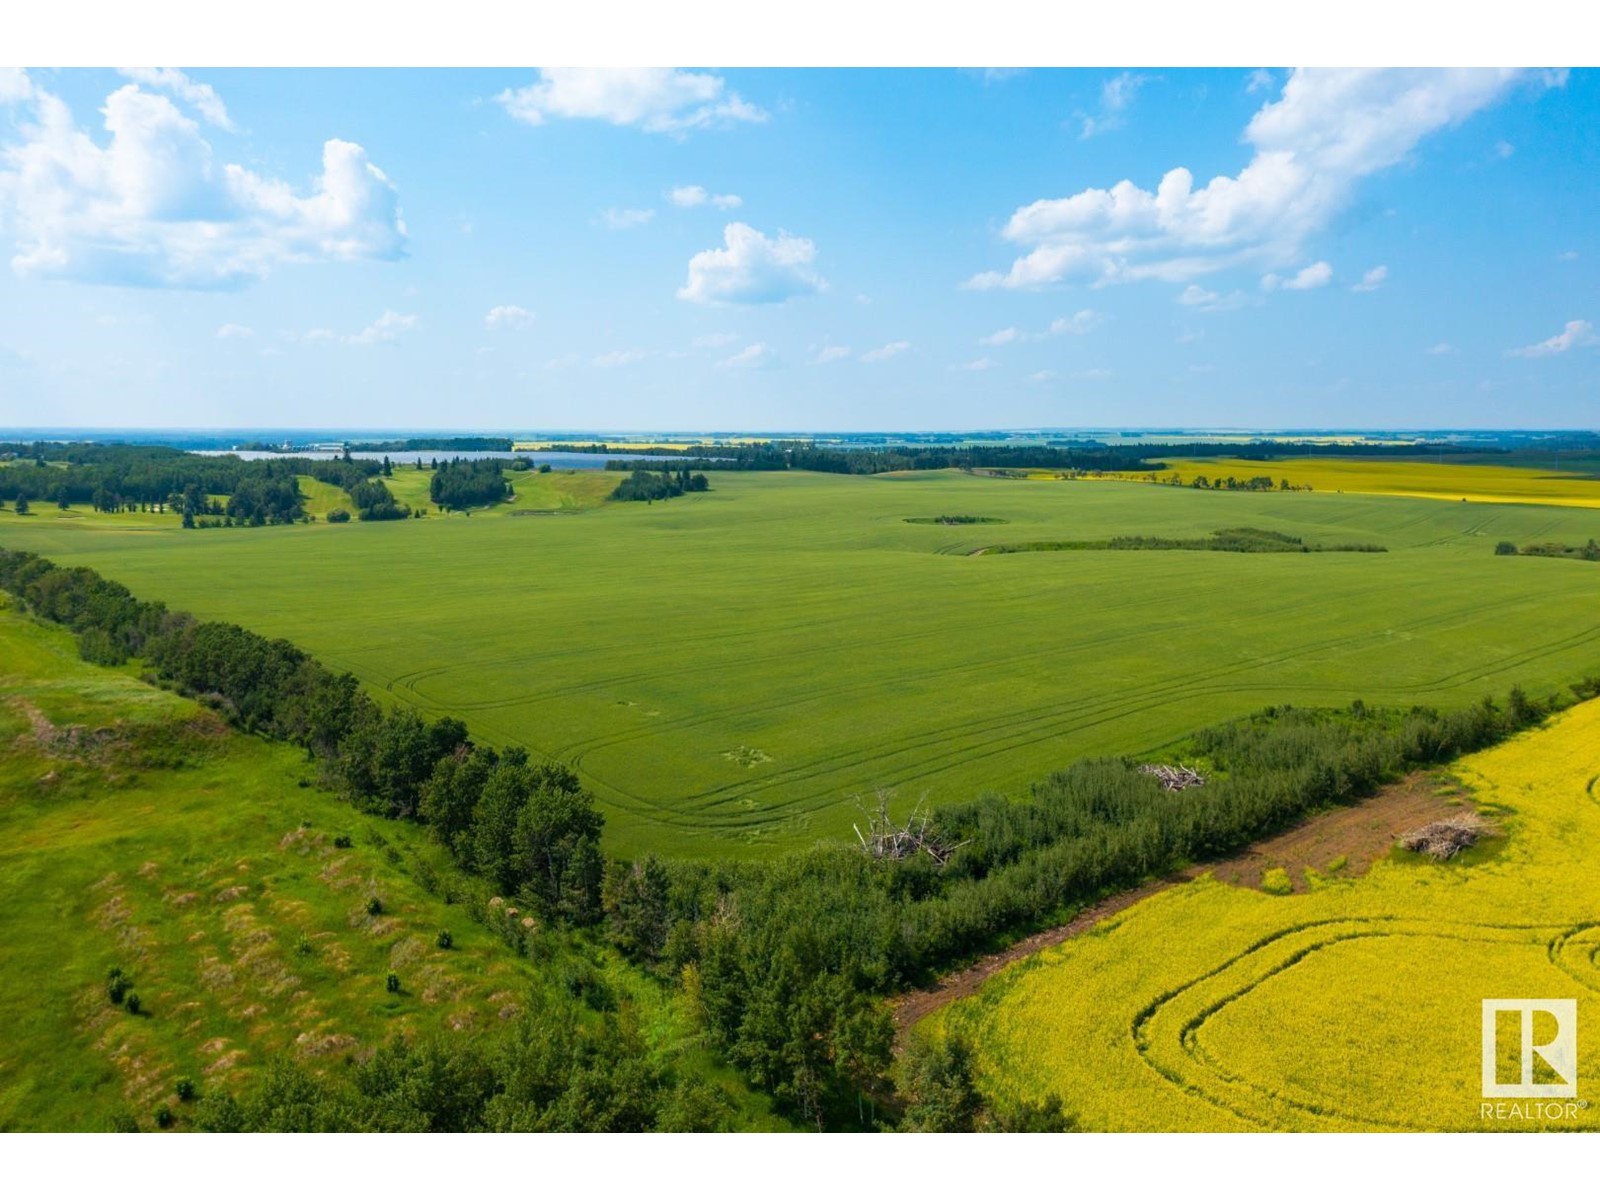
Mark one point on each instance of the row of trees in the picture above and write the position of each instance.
(117, 478)
(1256, 483)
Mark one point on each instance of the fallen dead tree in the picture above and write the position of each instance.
(1173, 778)
(886, 838)
(1445, 839)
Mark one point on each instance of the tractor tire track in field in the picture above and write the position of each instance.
(1024, 727)
(1156, 604)
(1069, 652)
(1175, 1053)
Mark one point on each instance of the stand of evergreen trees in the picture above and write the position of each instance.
(645, 484)
(375, 502)
(462, 483)
(786, 962)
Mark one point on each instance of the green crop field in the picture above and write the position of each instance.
(138, 832)
(726, 670)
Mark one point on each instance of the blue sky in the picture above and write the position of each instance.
(784, 249)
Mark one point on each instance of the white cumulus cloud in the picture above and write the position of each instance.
(227, 332)
(692, 195)
(885, 352)
(655, 99)
(1205, 300)
(1327, 131)
(1116, 95)
(1080, 322)
(757, 354)
(831, 353)
(15, 86)
(508, 316)
(152, 206)
(1304, 280)
(626, 218)
(752, 268)
(202, 97)
(1371, 280)
(618, 358)
(1572, 335)
(386, 328)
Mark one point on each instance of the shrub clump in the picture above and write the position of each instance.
(1275, 881)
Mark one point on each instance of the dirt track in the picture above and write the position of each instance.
(1359, 834)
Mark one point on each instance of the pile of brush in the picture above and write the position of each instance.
(1173, 778)
(1445, 839)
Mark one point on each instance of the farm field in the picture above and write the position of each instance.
(1477, 484)
(726, 670)
(1352, 1006)
(138, 832)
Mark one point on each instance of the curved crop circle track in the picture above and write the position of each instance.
(1167, 1032)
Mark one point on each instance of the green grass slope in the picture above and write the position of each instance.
(138, 832)
(725, 670)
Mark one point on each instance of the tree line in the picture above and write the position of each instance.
(785, 963)
(119, 478)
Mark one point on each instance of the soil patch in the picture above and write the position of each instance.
(1341, 842)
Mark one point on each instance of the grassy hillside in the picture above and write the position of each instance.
(726, 670)
(1355, 1005)
(137, 832)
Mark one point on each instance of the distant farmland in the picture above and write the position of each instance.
(725, 670)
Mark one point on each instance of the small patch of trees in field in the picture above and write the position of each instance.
(659, 485)
(1241, 540)
(1589, 552)
(462, 483)
(375, 502)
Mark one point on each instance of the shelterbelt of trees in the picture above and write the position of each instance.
(785, 962)
(1085, 455)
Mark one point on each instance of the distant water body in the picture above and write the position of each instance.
(567, 460)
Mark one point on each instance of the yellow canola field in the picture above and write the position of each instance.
(1354, 1006)
(1388, 477)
